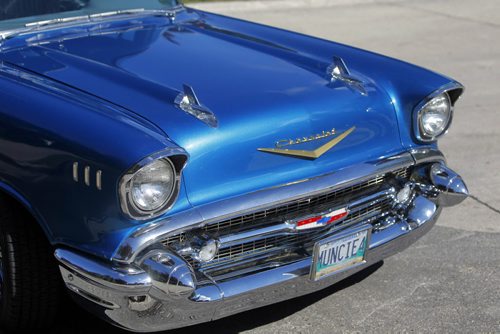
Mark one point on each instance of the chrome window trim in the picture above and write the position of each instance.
(150, 234)
(450, 87)
(70, 21)
(127, 204)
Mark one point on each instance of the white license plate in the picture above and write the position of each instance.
(339, 253)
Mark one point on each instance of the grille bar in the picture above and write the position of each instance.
(284, 226)
(293, 206)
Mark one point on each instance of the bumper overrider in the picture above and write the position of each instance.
(151, 285)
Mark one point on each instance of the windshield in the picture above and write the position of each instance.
(17, 13)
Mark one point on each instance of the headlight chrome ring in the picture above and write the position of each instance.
(151, 187)
(433, 115)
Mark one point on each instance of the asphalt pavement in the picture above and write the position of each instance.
(449, 281)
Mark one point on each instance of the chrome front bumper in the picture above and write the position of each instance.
(157, 290)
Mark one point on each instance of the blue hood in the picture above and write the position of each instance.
(263, 84)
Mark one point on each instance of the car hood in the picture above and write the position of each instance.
(260, 90)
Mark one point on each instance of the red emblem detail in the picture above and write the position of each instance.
(322, 220)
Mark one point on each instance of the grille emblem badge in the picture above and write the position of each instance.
(334, 216)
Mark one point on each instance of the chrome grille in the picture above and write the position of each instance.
(292, 207)
(268, 246)
(288, 242)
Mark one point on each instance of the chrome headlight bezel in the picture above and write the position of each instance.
(452, 91)
(127, 203)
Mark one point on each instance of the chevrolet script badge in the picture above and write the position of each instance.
(314, 154)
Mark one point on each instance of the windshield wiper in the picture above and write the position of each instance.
(32, 26)
(90, 17)
(158, 12)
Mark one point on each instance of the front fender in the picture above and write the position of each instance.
(46, 128)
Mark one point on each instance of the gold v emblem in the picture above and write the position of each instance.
(310, 154)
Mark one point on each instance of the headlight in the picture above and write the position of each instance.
(433, 116)
(152, 185)
(151, 188)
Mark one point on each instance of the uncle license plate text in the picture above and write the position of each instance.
(337, 254)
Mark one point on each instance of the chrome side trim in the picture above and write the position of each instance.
(98, 179)
(86, 176)
(152, 233)
(454, 90)
(75, 171)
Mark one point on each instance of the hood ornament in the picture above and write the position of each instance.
(314, 154)
(338, 72)
(188, 102)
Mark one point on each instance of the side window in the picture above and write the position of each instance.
(11, 9)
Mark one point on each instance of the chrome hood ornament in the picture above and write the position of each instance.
(188, 102)
(338, 72)
(314, 154)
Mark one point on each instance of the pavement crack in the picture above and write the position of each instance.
(396, 301)
(492, 208)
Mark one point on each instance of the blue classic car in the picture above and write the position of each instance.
(172, 166)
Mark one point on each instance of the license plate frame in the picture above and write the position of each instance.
(337, 240)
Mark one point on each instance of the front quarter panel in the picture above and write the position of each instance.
(45, 128)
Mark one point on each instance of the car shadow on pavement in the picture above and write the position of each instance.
(74, 320)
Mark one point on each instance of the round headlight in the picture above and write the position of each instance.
(435, 116)
(152, 186)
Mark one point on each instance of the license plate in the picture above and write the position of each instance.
(339, 253)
